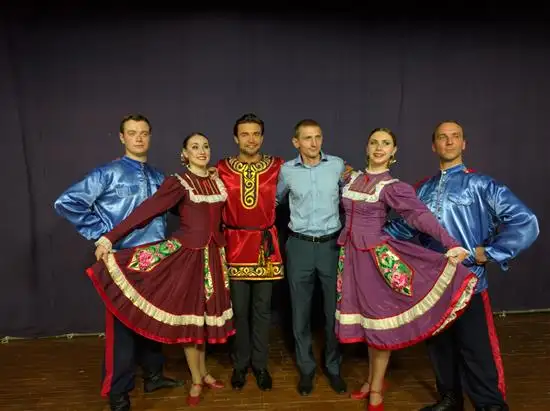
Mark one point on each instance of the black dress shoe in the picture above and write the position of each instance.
(119, 402)
(305, 385)
(448, 402)
(155, 382)
(337, 383)
(263, 379)
(238, 378)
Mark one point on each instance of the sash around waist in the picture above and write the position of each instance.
(248, 228)
(267, 240)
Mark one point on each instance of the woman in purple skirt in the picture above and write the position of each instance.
(392, 294)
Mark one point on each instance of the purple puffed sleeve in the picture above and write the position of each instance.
(402, 198)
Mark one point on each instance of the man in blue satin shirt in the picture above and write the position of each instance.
(312, 183)
(495, 226)
(96, 204)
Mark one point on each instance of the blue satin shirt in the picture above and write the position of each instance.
(477, 211)
(107, 195)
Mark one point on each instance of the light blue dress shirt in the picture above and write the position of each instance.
(313, 194)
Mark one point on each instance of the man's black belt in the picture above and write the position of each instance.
(315, 239)
(267, 238)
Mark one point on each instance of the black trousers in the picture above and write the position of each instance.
(307, 261)
(123, 350)
(252, 318)
(466, 356)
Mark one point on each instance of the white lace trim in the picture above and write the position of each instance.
(378, 172)
(359, 196)
(157, 313)
(205, 198)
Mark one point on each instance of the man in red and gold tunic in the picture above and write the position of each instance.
(253, 254)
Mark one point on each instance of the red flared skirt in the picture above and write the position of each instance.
(168, 293)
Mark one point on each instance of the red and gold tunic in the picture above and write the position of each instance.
(249, 217)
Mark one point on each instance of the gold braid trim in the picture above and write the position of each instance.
(105, 242)
(273, 271)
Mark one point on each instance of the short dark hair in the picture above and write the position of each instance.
(248, 118)
(307, 122)
(445, 122)
(134, 117)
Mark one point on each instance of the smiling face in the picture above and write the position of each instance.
(249, 138)
(380, 149)
(197, 151)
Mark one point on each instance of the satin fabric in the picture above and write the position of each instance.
(477, 211)
(107, 195)
(249, 217)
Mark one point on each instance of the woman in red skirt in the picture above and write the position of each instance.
(177, 290)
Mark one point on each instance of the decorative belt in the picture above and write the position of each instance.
(267, 239)
(315, 239)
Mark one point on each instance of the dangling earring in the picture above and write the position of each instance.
(391, 161)
(184, 161)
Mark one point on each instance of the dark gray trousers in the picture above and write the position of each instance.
(251, 302)
(307, 261)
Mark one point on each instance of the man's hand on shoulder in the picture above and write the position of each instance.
(213, 172)
(347, 171)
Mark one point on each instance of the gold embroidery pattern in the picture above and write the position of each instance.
(208, 281)
(250, 175)
(273, 271)
(224, 268)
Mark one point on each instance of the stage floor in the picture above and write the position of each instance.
(64, 374)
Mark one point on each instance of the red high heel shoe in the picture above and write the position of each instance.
(377, 407)
(362, 395)
(194, 400)
(215, 385)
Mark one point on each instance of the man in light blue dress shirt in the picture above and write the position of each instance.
(311, 183)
